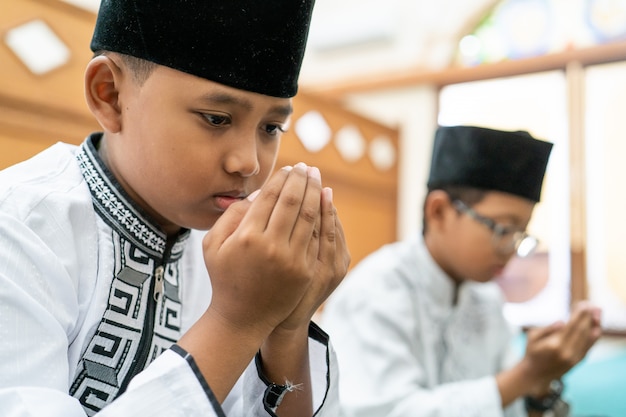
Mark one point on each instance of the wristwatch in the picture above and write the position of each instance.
(274, 395)
(548, 401)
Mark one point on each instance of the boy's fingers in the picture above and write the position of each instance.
(306, 230)
(334, 255)
(341, 245)
(265, 200)
(227, 223)
(539, 333)
(579, 331)
(342, 257)
(313, 248)
(243, 211)
(288, 203)
(327, 247)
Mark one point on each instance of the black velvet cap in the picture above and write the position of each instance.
(253, 45)
(488, 159)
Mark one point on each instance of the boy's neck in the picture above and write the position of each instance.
(171, 230)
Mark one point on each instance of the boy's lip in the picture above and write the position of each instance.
(226, 199)
(232, 194)
(498, 270)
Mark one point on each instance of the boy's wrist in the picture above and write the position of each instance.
(281, 344)
(548, 400)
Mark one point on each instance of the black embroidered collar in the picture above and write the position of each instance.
(115, 206)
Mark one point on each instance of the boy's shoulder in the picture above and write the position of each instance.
(45, 164)
(391, 265)
(387, 256)
(50, 179)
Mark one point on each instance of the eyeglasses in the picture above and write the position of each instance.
(506, 239)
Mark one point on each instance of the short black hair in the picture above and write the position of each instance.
(141, 69)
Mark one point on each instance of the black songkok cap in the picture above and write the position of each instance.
(512, 162)
(253, 45)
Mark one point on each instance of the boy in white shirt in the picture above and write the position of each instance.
(106, 307)
(418, 325)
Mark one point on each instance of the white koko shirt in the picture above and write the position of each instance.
(79, 269)
(405, 350)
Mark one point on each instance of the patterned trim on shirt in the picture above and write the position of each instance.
(136, 326)
(111, 203)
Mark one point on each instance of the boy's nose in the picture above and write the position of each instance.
(243, 159)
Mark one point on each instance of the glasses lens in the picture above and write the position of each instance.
(519, 243)
(526, 245)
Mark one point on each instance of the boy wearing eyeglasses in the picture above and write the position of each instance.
(418, 325)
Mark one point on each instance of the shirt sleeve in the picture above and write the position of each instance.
(38, 318)
(173, 386)
(249, 397)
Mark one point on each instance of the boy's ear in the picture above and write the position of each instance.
(436, 208)
(102, 83)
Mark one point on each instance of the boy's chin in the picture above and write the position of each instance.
(481, 279)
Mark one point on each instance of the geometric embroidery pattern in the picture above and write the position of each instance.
(135, 328)
(111, 203)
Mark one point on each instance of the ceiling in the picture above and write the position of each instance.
(361, 36)
(372, 36)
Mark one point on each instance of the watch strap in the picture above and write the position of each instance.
(548, 401)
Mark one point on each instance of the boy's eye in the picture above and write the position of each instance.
(273, 130)
(215, 119)
(502, 230)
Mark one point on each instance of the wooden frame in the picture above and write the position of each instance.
(600, 54)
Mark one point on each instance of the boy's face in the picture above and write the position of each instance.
(469, 250)
(188, 147)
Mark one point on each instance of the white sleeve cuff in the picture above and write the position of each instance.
(171, 386)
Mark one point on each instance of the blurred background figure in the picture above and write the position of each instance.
(418, 325)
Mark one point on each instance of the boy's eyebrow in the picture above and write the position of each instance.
(223, 98)
(285, 110)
